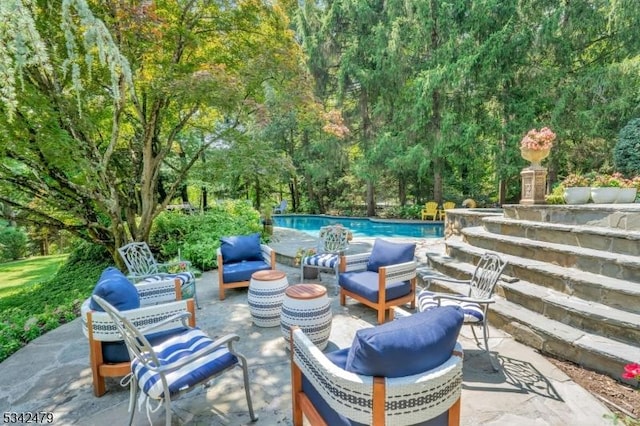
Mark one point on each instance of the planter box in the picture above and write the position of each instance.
(604, 195)
(577, 195)
(627, 195)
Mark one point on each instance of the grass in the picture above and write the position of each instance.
(23, 273)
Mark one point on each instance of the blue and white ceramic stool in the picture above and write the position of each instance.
(308, 307)
(266, 293)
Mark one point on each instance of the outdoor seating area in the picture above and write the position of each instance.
(290, 379)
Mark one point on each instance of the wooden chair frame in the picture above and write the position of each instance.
(430, 210)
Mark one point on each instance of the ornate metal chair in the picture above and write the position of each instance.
(143, 266)
(333, 241)
(476, 303)
(180, 363)
(145, 303)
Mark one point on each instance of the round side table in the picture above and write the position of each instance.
(266, 292)
(308, 307)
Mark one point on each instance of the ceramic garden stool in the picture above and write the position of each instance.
(266, 293)
(308, 307)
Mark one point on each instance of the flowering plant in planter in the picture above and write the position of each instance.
(538, 140)
(302, 253)
(575, 180)
(605, 181)
(631, 371)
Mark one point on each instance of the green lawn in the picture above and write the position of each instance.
(21, 273)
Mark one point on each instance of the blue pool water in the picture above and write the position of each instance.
(361, 227)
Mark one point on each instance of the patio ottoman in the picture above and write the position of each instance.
(308, 307)
(266, 293)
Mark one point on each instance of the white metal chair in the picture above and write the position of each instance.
(143, 266)
(333, 241)
(476, 303)
(178, 364)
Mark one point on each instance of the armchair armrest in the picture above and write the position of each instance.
(439, 296)
(154, 292)
(399, 272)
(269, 255)
(98, 325)
(354, 262)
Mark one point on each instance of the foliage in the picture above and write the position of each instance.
(301, 253)
(197, 237)
(106, 104)
(626, 153)
(574, 180)
(13, 243)
(43, 306)
(603, 180)
(556, 196)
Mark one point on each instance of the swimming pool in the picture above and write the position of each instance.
(361, 227)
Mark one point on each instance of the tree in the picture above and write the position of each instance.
(99, 95)
(626, 153)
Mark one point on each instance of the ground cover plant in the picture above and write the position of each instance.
(45, 299)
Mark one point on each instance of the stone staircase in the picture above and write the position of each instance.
(572, 285)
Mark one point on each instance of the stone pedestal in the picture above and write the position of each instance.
(534, 185)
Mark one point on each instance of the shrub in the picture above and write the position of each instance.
(197, 237)
(626, 153)
(574, 180)
(13, 243)
(556, 196)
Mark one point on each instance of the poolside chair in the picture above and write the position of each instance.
(280, 209)
(380, 279)
(183, 361)
(404, 372)
(447, 205)
(476, 303)
(333, 241)
(143, 266)
(430, 210)
(238, 258)
(143, 303)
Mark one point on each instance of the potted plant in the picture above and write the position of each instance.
(628, 190)
(576, 189)
(267, 221)
(301, 253)
(536, 145)
(604, 189)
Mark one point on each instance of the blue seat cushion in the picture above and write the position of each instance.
(178, 347)
(365, 283)
(241, 247)
(385, 253)
(472, 311)
(331, 417)
(116, 289)
(242, 271)
(116, 352)
(406, 346)
(322, 260)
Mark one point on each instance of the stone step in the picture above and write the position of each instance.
(621, 216)
(604, 263)
(585, 315)
(613, 240)
(590, 350)
(616, 293)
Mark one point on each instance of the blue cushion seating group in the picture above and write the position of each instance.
(404, 347)
(178, 347)
(473, 313)
(384, 253)
(242, 256)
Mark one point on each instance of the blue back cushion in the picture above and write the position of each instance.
(406, 346)
(239, 248)
(116, 289)
(385, 253)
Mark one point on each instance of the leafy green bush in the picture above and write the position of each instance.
(556, 196)
(13, 243)
(626, 153)
(197, 237)
(42, 307)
